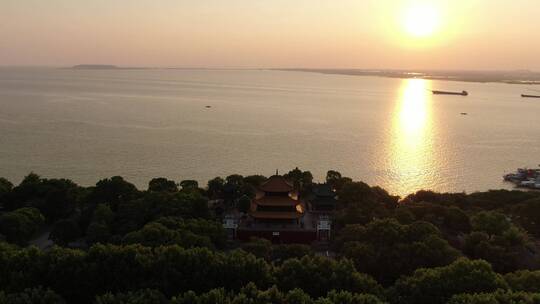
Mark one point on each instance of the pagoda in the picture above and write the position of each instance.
(276, 202)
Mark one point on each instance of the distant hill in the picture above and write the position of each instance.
(94, 67)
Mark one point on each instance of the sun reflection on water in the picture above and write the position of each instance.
(412, 155)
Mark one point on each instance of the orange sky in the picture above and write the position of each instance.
(471, 34)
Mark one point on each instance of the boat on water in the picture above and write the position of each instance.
(462, 93)
(530, 96)
(524, 178)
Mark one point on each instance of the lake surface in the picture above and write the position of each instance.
(89, 124)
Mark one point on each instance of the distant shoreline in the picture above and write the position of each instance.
(523, 77)
(508, 77)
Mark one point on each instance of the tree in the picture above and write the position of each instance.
(113, 191)
(318, 275)
(20, 225)
(499, 297)
(301, 179)
(64, 231)
(5, 187)
(285, 252)
(244, 204)
(143, 296)
(189, 185)
(332, 178)
(438, 285)
(162, 184)
(103, 214)
(98, 232)
(215, 187)
(55, 198)
(254, 180)
(490, 222)
(387, 250)
(32, 296)
(524, 280)
(260, 248)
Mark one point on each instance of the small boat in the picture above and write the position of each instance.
(463, 113)
(462, 93)
(530, 96)
(208, 107)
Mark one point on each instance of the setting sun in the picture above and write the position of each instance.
(421, 21)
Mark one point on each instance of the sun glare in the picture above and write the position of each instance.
(421, 21)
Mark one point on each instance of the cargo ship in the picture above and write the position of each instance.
(462, 93)
(530, 96)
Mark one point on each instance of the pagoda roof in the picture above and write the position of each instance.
(276, 201)
(276, 183)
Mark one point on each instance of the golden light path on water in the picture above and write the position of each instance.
(412, 157)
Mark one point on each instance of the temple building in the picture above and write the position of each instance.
(276, 202)
(277, 213)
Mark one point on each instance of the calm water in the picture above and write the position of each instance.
(90, 124)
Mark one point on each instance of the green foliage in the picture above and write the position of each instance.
(317, 276)
(162, 184)
(499, 242)
(143, 296)
(5, 188)
(32, 296)
(98, 232)
(386, 249)
(244, 203)
(300, 179)
(254, 180)
(359, 203)
(263, 248)
(260, 248)
(449, 219)
(20, 225)
(332, 177)
(113, 191)
(103, 214)
(55, 198)
(215, 187)
(284, 252)
(490, 222)
(527, 214)
(251, 295)
(189, 185)
(170, 231)
(65, 231)
(438, 285)
(524, 280)
(78, 276)
(499, 297)
(346, 297)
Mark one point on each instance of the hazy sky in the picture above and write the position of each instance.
(469, 34)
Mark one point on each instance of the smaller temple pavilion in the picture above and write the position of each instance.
(322, 199)
(278, 214)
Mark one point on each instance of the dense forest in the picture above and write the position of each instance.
(114, 243)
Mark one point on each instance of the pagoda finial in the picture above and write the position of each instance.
(277, 173)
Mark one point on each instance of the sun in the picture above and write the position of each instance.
(421, 21)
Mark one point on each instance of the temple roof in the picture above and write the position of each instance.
(276, 201)
(276, 183)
